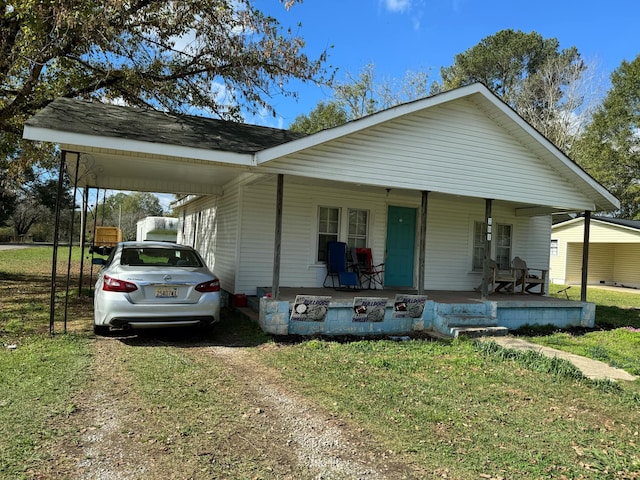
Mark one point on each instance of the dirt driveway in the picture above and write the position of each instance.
(284, 434)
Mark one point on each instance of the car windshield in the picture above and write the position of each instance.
(160, 257)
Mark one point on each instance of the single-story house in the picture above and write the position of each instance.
(614, 252)
(163, 229)
(434, 187)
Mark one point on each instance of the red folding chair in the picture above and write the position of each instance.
(370, 274)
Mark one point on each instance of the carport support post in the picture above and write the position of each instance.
(488, 221)
(275, 284)
(56, 233)
(422, 254)
(83, 236)
(585, 255)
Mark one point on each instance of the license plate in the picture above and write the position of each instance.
(166, 292)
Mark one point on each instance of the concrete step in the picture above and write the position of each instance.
(478, 331)
(471, 320)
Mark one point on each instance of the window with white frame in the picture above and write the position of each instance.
(328, 229)
(479, 236)
(554, 248)
(502, 239)
(357, 228)
(334, 225)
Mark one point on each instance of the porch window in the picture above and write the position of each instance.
(358, 227)
(328, 229)
(479, 236)
(503, 246)
(502, 239)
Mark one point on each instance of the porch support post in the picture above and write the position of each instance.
(422, 254)
(488, 221)
(585, 255)
(275, 284)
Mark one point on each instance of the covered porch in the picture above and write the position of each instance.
(326, 311)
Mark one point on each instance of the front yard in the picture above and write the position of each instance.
(237, 404)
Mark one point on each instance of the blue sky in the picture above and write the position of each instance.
(409, 35)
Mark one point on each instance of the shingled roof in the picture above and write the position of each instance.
(78, 116)
(619, 221)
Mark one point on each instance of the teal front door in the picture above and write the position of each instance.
(401, 238)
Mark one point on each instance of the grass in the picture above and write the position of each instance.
(456, 409)
(616, 339)
(614, 309)
(461, 410)
(37, 380)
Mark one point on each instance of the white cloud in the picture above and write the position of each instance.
(397, 6)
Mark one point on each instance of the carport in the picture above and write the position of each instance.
(108, 147)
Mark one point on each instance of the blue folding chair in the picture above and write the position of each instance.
(338, 268)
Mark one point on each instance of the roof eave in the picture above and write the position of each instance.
(83, 142)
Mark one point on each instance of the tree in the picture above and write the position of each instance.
(503, 60)
(364, 95)
(529, 73)
(35, 201)
(323, 116)
(217, 56)
(609, 149)
(360, 96)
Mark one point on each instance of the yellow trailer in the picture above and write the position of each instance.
(105, 239)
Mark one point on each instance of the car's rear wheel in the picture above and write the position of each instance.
(101, 330)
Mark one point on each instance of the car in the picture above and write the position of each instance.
(154, 285)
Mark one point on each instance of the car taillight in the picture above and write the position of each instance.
(111, 284)
(210, 286)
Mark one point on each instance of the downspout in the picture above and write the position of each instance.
(422, 254)
(585, 255)
(488, 221)
(275, 284)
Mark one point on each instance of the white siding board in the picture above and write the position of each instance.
(626, 265)
(450, 150)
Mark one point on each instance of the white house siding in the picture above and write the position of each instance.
(449, 234)
(299, 232)
(627, 264)
(601, 264)
(453, 148)
(211, 226)
(450, 240)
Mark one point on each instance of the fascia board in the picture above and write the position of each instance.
(135, 146)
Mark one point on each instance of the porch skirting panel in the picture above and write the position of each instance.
(404, 314)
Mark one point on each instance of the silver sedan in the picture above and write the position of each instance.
(154, 284)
